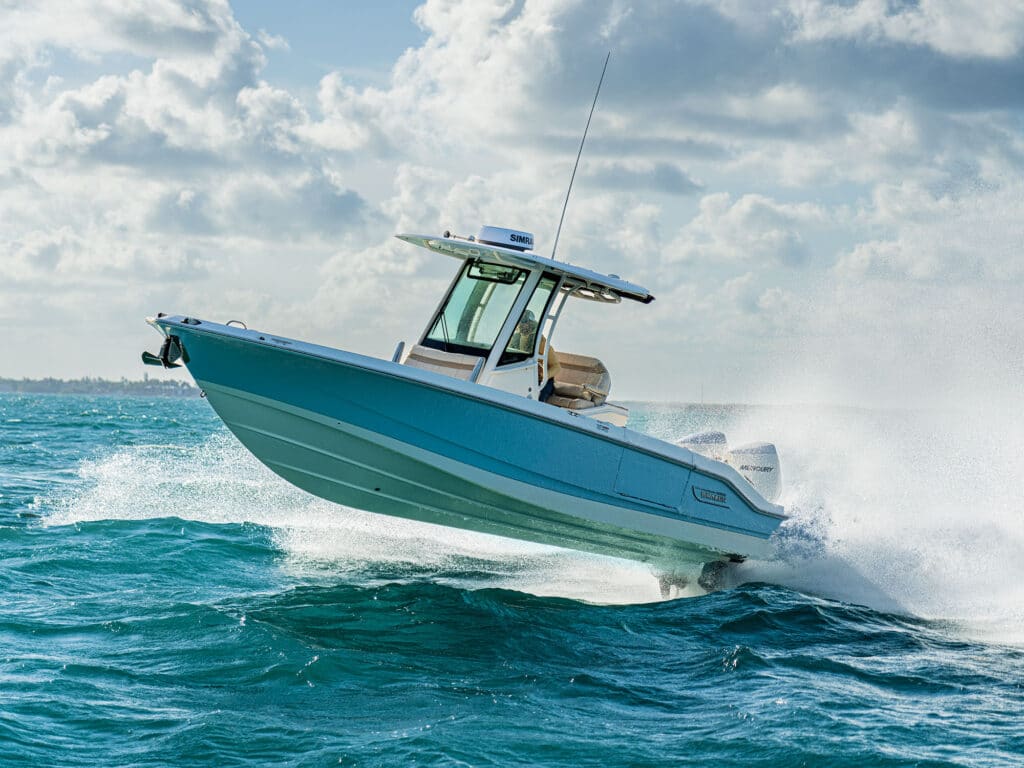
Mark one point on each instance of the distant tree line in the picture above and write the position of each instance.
(90, 386)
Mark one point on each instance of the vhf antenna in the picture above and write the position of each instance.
(565, 205)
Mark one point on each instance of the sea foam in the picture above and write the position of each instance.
(909, 512)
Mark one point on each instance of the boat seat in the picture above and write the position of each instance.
(572, 403)
(582, 382)
(452, 364)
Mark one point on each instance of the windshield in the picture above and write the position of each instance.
(476, 309)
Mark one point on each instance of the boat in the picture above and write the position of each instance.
(481, 424)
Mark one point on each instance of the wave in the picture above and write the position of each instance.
(915, 513)
(218, 481)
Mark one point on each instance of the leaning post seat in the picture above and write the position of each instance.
(452, 364)
(583, 382)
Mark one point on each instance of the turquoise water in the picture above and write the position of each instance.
(167, 601)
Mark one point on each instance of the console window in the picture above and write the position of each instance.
(476, 309)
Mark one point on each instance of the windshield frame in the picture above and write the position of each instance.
(511, 356)
(476, 289)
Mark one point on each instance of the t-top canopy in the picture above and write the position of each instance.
(584, 283)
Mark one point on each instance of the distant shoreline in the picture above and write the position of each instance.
(89, 386)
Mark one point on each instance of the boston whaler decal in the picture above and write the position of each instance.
(710, 497)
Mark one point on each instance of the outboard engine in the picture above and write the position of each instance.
(759, 464)
(710, 443)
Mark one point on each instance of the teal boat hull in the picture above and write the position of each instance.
(400, 441)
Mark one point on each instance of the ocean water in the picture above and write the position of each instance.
(165, 600)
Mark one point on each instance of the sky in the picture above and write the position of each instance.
(825, 197)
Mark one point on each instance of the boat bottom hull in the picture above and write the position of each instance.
(348, 465)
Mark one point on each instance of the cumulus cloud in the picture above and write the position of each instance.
(757, 164)
(953, 27)
(272, 42)
(967, 238)
(752, 228)
(666, 178)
